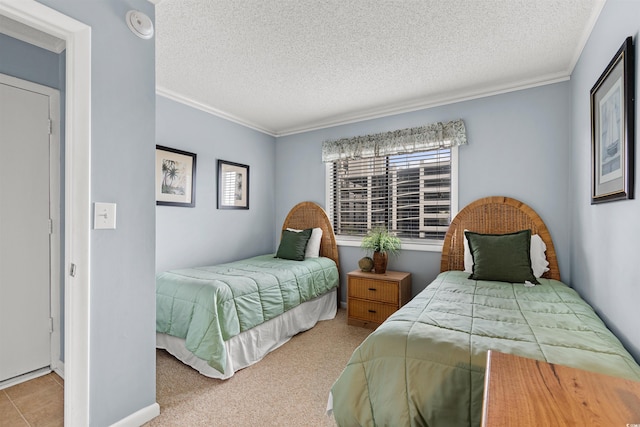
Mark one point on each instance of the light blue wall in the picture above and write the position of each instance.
(28, 62)
(519, 146)
(604, 237)
(205, 235)
(122, 305)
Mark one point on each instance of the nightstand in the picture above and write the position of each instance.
(371, 297)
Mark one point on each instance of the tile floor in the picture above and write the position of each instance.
(35, 403)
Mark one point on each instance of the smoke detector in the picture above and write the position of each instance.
(139, 24)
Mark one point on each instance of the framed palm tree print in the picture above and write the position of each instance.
(175, 177)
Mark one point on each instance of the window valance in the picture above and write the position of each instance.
(402, 141)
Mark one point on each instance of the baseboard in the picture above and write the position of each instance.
(58, 368)
(140, 417)
(23, 378)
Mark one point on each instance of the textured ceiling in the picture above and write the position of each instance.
(286, 66)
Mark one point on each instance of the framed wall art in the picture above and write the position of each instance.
(175, 177)
(233, 185)
(612, 128)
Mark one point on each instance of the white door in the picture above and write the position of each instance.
(25, 303)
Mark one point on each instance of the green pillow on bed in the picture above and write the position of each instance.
(501, 257)
(293, 244)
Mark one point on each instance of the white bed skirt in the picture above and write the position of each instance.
(251, 346)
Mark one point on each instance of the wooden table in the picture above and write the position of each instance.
(525, 392)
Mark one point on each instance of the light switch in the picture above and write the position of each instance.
(104, 216)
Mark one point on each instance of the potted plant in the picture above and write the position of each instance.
(381, 241)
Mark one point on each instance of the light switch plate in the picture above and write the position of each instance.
(104, 216)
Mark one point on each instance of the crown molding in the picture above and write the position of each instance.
(370, 114)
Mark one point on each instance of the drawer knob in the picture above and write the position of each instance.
(372, 311)
(372, 289)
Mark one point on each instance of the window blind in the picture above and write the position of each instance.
(408, 194)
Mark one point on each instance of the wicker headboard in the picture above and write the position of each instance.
(310, 215)
(494, 215)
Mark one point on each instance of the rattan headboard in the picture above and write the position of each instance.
(310, 215)
(494, 215)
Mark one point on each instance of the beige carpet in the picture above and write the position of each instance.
(289, 387)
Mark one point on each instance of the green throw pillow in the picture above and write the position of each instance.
(501, 257)
(293, 244)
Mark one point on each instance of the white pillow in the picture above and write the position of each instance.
(468, 258)
(539, 263)
(313, 245)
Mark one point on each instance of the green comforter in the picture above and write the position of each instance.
(425, 365)
(206, 306)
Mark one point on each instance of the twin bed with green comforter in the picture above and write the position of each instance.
(222, 318)
(425, 365)
(209, 305)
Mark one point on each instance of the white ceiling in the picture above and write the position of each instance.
(287, 66)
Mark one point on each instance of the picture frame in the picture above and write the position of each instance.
(233, 185)
(175, 177)
(612, 101)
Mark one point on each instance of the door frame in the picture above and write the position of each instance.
(54, 209)
(77, 182)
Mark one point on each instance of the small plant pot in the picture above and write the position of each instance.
(380, 262)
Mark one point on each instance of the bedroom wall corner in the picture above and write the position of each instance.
(519, 146)
(205, 235)
(604, 236)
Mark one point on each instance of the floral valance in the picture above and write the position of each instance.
(402, 141)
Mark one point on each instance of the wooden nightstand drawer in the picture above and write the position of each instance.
(374, 290)
(370, 311)
(371, 297)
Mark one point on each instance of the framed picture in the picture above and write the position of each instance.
(233, 185)
(612, 129)
(175, 177)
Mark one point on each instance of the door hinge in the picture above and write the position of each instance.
(72, 270)
(50, 127)
(50, 226)
(50, 325)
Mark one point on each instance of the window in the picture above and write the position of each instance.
(405, 180)
(410, 194)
